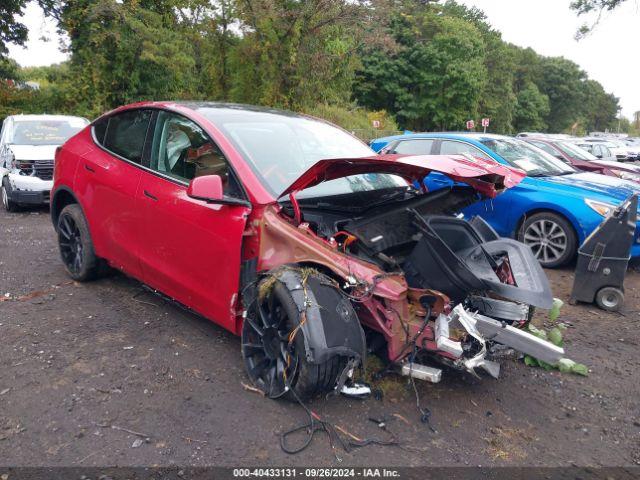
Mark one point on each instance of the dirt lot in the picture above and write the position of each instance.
(83, 366)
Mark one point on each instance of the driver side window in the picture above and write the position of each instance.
(182, 150)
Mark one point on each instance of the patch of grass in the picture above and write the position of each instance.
(503, 443)
(266, 286)
(392, 385)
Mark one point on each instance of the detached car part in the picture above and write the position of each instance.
(453, 257)
(603, 258)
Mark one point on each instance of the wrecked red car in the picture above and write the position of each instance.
(290, 232)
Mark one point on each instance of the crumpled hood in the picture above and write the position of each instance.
(34, 152)
(486, 176)
(600, 185)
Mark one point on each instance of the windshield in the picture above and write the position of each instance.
(520, 154)
(45, 132)
(280, 147)
(575, 151)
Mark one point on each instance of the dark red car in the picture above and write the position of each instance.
(293, 234)
(581, 159)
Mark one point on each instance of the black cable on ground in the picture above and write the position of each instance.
(316, 424)
(425, 413)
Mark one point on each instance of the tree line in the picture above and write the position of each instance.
(413, 64)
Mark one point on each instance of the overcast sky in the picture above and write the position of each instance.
(611, 54)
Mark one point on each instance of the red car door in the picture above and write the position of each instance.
(107, 180)
(191, 248)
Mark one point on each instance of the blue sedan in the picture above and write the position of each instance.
(552, 210)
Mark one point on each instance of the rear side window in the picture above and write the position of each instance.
(125, 134)
(414, 147)
(546, 148)
(99, 129)
(450, 147)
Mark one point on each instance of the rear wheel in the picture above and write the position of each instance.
(274, 352)
(76, 247)
(551, 238)
(610, 299)
(8, 204)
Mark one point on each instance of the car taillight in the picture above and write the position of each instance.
(58, 150)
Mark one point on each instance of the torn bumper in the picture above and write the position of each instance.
(484, 329)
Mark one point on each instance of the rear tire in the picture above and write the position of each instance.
(76, 247)
(266, 358)
(551, 238)
(8, 204)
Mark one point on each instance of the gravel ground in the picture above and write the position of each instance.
(105, 373)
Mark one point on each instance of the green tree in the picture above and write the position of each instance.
(497, 100)
(599, 108)
(123, 52)
(435, 77)
(11, 30)
(561, 81)
(583, 7)
(531, 108)
(295, 53)
(9, 69)
(586, 6)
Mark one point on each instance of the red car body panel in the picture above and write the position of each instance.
(192, 250)
(485, 176)
(110, 187)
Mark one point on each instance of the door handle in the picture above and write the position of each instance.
(149, 195)
(89, 168)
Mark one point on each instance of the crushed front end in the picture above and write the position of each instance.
(426, 285)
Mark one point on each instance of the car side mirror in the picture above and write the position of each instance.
(209, 188)
(599, 156)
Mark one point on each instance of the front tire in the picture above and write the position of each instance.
(76, 247)
(8, 204)
(270, 356)
(551, 238)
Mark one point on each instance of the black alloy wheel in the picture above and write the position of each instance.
(70, 241)
(269, 356)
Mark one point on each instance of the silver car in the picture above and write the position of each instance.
(27, 149)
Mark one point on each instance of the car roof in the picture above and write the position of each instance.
(477, 136)
(196, 105)
(551, 139)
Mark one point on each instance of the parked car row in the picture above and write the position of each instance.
(558, 204)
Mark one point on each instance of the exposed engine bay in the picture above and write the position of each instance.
(420, 282)
(422, 237)
(467, 287)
